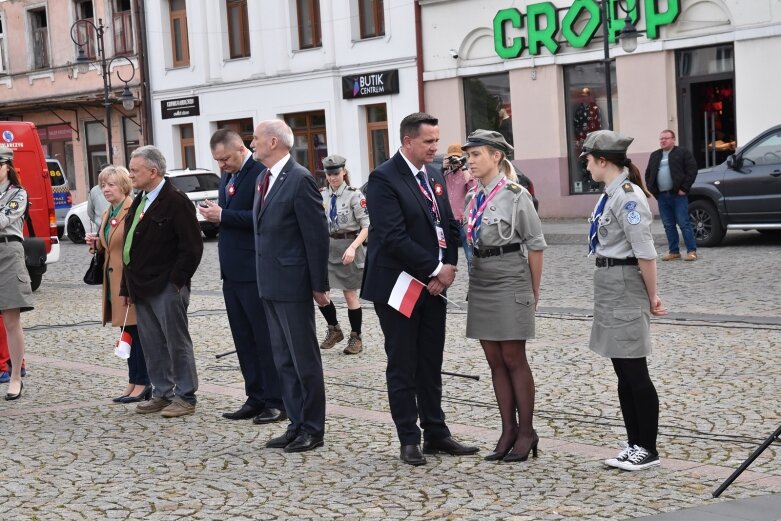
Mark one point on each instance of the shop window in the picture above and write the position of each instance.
(487, 104)
(586, 111)
(187, 142)
(40, 38)
(243, 127)
(310, 142)
(85, 32)
(132, 136)
(97, 154)
(238, 28)
(180, 45)
(377, 132)
(122, 27)
(372, 18)
(2, 47)
(308, 18)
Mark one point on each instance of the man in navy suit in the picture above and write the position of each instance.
(291, 246)
(413, 230)
(236, 249)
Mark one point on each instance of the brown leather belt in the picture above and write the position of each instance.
(344, 235)
(605, 262)
(499, 250)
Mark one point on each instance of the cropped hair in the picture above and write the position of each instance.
(667, 130)
(120, 175)
(410, 125)
(152, 156)
(280, 130)
(224, 137)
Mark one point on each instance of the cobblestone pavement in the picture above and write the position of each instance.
(72, 454)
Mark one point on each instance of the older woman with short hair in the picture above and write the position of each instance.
(116, 186)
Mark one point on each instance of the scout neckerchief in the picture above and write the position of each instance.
(477, 207)
(592, 233)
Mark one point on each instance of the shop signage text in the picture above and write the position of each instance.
(372, 84)
(543, 24)
(180, 107)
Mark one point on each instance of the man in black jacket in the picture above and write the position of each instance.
(669, 176)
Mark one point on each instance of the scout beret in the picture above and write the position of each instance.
(334, 162)
(6, 154)
(607, 142)
(491, 138)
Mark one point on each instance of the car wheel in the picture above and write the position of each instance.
(210, 234)
(708, 230)
(75, 230)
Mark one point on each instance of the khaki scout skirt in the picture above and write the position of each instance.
(339, 275)
(501, 302)
(622, 315)
(15, 290)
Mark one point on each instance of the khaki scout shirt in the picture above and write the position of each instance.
(351, 212)
(625, 225)
(509, 218)
(13, 203)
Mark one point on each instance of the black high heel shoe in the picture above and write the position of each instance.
(119, 399)
(512, 457)
(9, 396)
(498, 454)
(145, 395)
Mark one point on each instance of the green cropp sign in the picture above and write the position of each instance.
(542, 24)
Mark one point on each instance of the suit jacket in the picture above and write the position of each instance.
(167, 245)
(683, 170)
(401, 234)
(236, 243)
(291, 237)
(113, 310)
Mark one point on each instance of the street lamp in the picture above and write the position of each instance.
(628, 38)
(83, 63)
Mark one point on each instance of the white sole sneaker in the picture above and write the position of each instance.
(612, 462)
(631, 467)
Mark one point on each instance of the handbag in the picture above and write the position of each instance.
(94, 275)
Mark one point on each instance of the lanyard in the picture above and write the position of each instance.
(476, 214)
(427, 195)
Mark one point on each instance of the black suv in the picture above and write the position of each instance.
(742, 193)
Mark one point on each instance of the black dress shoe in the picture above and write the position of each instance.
(245, 413)
(304, 442)
(9, 396)
(119, 399)
(411, 455)
(269, 415)
(448, 446)
(280, 442)
(145, 395)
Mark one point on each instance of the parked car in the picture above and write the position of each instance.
(199, 184)
(742, 193)
(63, 200)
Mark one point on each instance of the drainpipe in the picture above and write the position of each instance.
(147, 125)
(419, 56)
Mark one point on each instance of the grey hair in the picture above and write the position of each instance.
(153, 157)
(280, 130)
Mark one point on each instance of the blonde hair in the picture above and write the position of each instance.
(120, 176)
(505, 166)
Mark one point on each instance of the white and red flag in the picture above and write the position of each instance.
(405, 294)
(122, 348)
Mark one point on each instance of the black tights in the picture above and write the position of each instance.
(639, 402)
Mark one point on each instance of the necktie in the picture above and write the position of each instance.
(479, 200)
(129, 239)
(592, 233)
(264, 187)
(332, 212)
(429, 198)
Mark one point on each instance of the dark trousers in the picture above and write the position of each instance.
(414, 347)
(136, 364)
(247, 320)
(291, 326)
(639, 402)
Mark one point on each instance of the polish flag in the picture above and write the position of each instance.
(405, 294)
(122, 348)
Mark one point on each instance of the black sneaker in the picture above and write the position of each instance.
(622, 456)
(640, 459)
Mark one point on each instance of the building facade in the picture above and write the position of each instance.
(535, 71)
(342, 73)
(41, 82)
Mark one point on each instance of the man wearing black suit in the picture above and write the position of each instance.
(413, 230)
(291, 245)
(236, 249)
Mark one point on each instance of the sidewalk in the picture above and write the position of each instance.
(574, 231)
(760, 508)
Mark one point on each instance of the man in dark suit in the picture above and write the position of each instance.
(413, 230)
(236, 249)
(669, 176)
(291, 245)
(163, 248)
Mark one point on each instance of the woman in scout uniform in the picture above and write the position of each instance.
(116, 185)
(15, 291)
(624, 290)
(348, 223)
(499, 220)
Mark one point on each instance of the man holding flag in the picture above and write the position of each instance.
(413, 240)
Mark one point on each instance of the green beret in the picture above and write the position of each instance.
(607, 142)
(492, 138)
